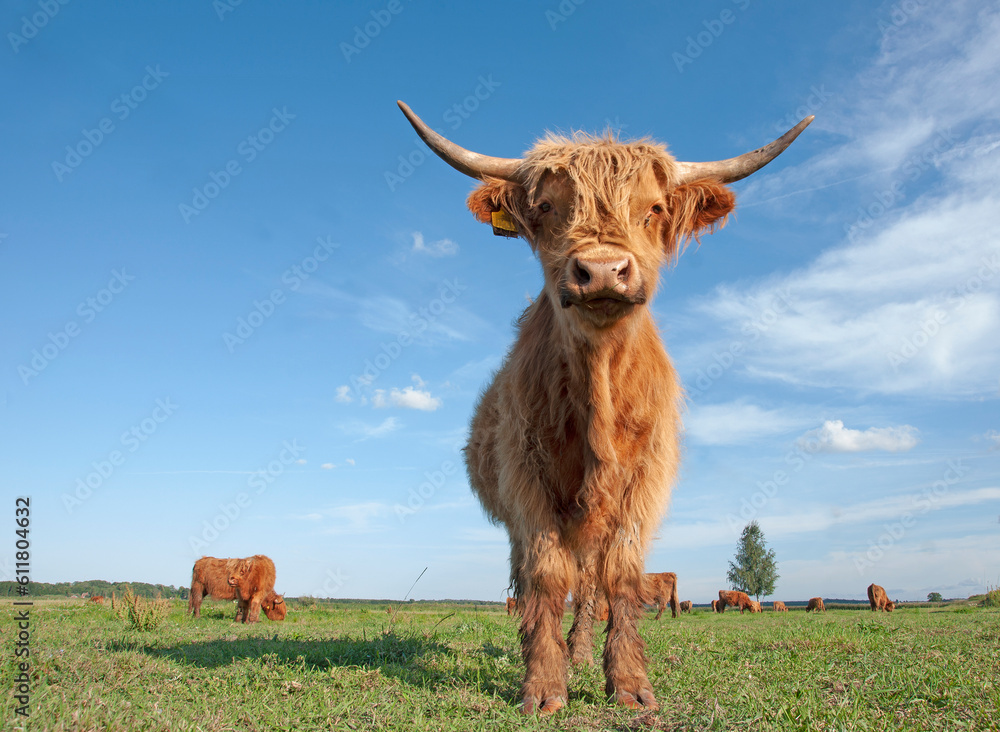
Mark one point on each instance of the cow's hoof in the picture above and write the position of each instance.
(548, 705)
(641, 699)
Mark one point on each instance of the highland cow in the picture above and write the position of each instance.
(734, 598)
(574, 446)
(715, 606)
(660, 589)
(97, 599)
(815, 603)
(210, 577)
(755, 607)
(253, 580)
(686, 606)
(779, 607)
(879, 600)
(511, 605)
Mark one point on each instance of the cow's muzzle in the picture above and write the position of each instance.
(605, 282)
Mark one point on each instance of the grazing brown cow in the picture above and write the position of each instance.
(734, 598)
(815, 603)
(686, 606)
(755, 607)
(210, 577)
(574, 445)
(253, 580)
(97, 599)
(715, 606)
(511, 605)
(660, 589)
(879, 600)
(779, 607)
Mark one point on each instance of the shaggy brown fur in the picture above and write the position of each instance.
(779, 607)
(686, 606)
(734, 598)
(715, 606)
(253, 580)
(755, 607)
(210, 577)
(815, 603)
(97, 599)
(879, 600)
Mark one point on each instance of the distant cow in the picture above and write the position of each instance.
(97, 599)
(879, 600)
(511, 605)
(253, 580)
(734, 598)
(779, 607)
(575, 445)
(686, 606)
(815, 603)
(210, 577)
(660, 588)
(715, 606)
(755, 607)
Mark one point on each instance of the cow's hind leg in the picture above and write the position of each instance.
(624, 660)
(546, 579)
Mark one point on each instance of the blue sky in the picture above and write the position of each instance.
(247, 312)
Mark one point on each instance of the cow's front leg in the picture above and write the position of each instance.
(624, 660)
(546, 577)
(581, 634)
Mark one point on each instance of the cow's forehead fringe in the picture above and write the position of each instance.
(602, 168)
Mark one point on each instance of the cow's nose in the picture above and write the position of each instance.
(595, 275)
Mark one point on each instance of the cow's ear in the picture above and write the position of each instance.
(501, 204)
(696, 208)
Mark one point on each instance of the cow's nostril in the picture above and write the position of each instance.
(623, 271)
(580, 273)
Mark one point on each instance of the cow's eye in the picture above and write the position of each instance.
(657, 208)
(545, 207)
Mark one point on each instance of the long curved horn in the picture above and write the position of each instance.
(465, 161)
(734, 169)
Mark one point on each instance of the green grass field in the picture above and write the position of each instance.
(448, 666)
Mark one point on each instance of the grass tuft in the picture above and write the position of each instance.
(138, 613)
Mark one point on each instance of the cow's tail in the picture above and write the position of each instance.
(674, 602)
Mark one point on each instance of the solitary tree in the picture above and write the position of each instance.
(753, 570)
(934, 597)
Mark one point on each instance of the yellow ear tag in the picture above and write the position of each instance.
(503, 224)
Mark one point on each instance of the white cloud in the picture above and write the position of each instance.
(406, 398)
(350, 461)
(344, 395)
(909, 300)
(736, 422)
(440, 248)
(366, 431)
(834, 437)
(301, 461)
(994, 437)
(328, 466)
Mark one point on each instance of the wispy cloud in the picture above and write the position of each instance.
(366, 431)
(439, 248)
(737, 422)
(406, 398)
(834, 437)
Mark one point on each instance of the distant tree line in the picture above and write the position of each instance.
(94, 587)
